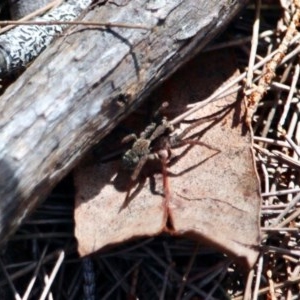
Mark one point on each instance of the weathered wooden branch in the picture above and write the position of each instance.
(84, 84)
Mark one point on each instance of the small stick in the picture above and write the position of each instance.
(286, 210)
(254, 44)
(258, 277)
(275, 229)
(85, 23)
(274, 249)
(293, 53)
(271, 285)
(282, 192)
(281, 86)
(289, 98)
(289, 219)
(287, 159)
(35, 275)
(295, 147)
(271, 141)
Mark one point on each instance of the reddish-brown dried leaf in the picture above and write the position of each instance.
(210, 193)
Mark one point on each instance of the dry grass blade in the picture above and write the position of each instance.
(53, 275)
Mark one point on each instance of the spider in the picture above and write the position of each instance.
(141, 151)
(155, 142)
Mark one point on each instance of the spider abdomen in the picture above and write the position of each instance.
(131, 158)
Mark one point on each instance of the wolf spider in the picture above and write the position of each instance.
(155, 142)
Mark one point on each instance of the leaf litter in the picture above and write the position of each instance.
(208, 190)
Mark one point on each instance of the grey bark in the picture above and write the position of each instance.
(68, 99)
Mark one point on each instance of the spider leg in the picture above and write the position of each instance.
(139, 167)
(160, 110)
(163, 128)
(128, 138)
(148, 131)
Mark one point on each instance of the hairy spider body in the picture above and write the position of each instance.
(132, 157)
(142, 150)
